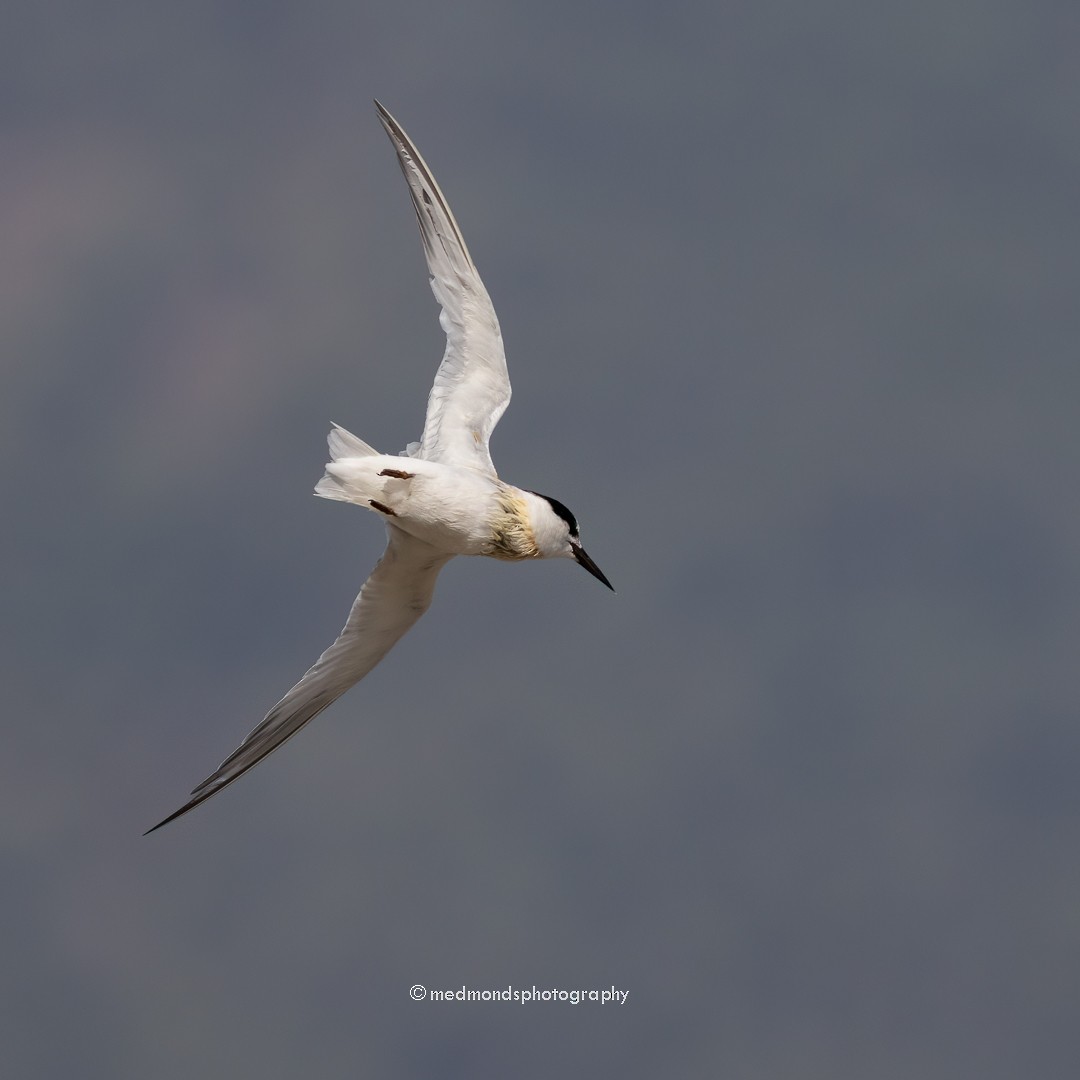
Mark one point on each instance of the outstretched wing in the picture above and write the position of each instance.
(396, 595)
(472, 388)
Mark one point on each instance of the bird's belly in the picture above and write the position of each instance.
(452, 513)
(457, 538)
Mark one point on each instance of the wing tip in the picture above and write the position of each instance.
(174, 815)
(393, 128)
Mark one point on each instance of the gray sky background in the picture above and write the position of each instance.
(789, 298)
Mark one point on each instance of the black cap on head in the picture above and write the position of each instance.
(575, 542)
(561, 509)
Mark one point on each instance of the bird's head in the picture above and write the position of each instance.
(556, 531)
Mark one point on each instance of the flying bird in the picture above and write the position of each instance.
(441, 497)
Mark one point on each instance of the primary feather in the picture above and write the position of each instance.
(472, 387)
(396, 594)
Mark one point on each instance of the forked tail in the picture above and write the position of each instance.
(343, 445)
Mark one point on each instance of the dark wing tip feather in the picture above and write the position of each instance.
(183, 810)
(408, 154)
(217, 781)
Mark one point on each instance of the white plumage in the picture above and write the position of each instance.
(440, 498)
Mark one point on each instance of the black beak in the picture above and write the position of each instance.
(583, 558)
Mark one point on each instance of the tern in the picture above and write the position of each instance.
(441, 497)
